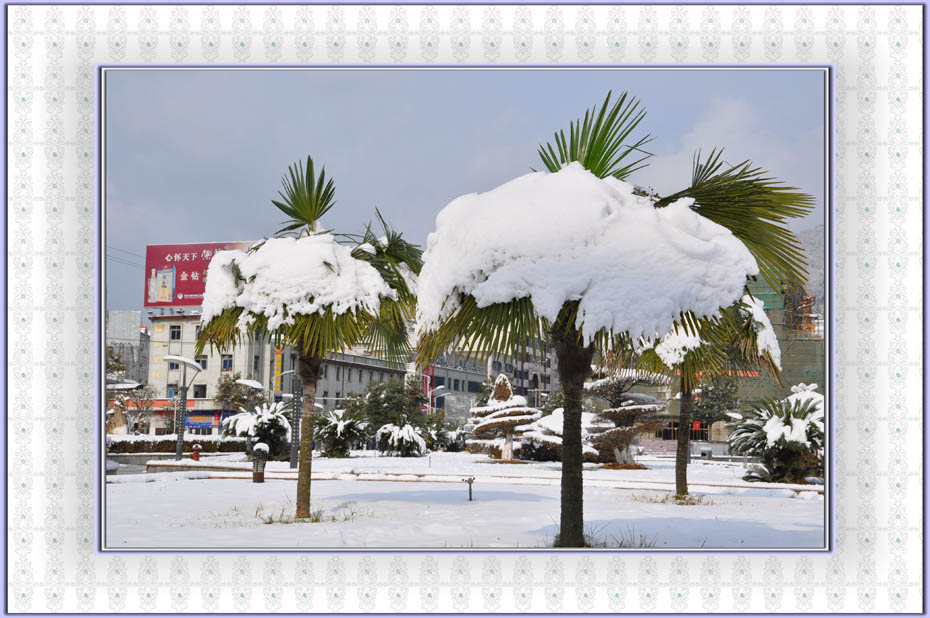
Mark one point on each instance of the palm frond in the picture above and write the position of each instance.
(305, 198)
(755, 208)
(599, 141)
(498, 329)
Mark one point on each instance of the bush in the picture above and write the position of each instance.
(166, 444)
(786, 435)
(338, 430)
(406, 441)
(266, 423)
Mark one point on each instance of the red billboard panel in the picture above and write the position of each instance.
(175, 274)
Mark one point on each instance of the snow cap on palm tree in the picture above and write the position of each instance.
(500, 261)
(314, 290)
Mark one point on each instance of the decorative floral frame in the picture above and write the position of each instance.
(53, 331)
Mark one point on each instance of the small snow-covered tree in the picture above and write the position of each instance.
(267, 422)
(313, 290)
(339, 430)
(404, 440)
(627, 414)
(541, 440)
(502, 415)
(739, 336)
(787, 435)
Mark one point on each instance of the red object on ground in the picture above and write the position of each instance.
(195, 455)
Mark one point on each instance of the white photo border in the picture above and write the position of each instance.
(52, 254)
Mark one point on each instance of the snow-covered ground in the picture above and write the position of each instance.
(370, 501)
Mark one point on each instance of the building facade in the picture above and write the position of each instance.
(125, 335)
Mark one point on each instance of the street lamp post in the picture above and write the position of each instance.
(433, 397)
(181, 420)
(295, 413)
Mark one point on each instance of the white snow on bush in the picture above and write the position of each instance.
(261, 446)
(397, 436)
(338, 422)
(776, 428)
(766, 341)
(248, 422)
(288, 276)
(572, 236)
(548, 429)
(675, 345)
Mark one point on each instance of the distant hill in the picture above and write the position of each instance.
(813, 242)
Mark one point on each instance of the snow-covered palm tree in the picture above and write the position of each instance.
(316, 291)
(582, 257)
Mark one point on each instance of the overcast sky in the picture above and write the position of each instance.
(198, 155)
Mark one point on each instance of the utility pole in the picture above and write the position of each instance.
(295, 413)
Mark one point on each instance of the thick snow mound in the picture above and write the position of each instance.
(573, 236)
(288, 276)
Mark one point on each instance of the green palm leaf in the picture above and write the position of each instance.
(755, 208)
(598, 141)
(305, 198)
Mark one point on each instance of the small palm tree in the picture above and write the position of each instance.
(741, 198)
(339, 430)
(722, 346)
(788, 437)
(315, 291)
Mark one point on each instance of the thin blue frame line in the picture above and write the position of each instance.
(829, 544)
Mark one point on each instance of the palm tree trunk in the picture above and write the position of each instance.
(574, 368)
(309, 369)
(684, 445)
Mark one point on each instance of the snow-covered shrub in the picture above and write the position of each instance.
(338, 430)
(447, 439)
(541, 440)
(405, 441)
(787, 435)
(267, 423)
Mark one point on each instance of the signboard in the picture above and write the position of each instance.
(175, 274)
(278, 366)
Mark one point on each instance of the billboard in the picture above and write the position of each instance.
(175, 274)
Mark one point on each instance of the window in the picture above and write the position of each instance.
(227, 362)
(172, 389)
(197, 331)
(255, 363)
(325, 397)
(172, 366)
(200, 431)
(325, 371)
(338, 372)
(508, 368)
(174, 332)
(349, 375)
(474, 387)
(455, 385)
(200, 391)
(496, 365)
(371, 376)
(380, 376)
(338, 398)
(202, 361)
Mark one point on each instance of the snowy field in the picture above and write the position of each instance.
(370, 501)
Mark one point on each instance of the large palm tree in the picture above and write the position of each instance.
(741, 198)
(361, 292)
(722, 346)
